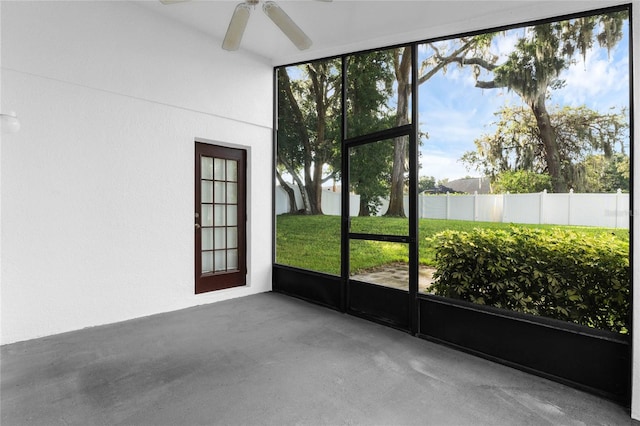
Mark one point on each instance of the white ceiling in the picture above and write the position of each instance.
(349, 25)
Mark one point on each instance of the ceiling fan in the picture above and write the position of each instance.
(240, 18)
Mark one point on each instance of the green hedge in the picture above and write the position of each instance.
(556, 273)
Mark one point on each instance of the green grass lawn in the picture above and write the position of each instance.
(313, 242)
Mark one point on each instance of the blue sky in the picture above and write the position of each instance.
(454, 112)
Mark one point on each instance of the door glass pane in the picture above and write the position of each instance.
(232, 237)
(206, 195)
(232, 170)
(220, 240)
(220, 260)
(207, 261)
(379, 262)
(232, 259)
(220, 215)
(219, 169)
(207, 215)
(207, 238)
(232, 193)
(232, 215)
(381, 199)
(219, 192)
(206, 168)
(378, 90)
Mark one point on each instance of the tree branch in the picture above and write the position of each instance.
(456, 56)
(461, 60)
(488, 84)
(328, 178)
(297, 113)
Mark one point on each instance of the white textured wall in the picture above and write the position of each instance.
(97, 187)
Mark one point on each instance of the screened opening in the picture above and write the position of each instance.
(523, 181)
(524, 192)
(308, 177)
(371, 182)
(378, 90)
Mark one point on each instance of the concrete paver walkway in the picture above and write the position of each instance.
(396, 275)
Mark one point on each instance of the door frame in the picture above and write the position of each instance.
(390, 306)
(211, 281)
(378, 303)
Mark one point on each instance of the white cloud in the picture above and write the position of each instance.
(450, 127)
(443, 167)
(598, 82)
(506, 43)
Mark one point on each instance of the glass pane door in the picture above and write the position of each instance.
(219, 216)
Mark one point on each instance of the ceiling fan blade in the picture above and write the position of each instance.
(236, 27)
(286, 24)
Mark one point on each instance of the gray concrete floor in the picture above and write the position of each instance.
(272, 360)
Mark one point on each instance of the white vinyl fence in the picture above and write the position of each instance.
(605, 210)
(331, 202)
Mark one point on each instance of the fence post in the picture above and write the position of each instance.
(504, 206)
(475, 206)
(618, 195)
(542, 197)
(569, 196)
(448, 207)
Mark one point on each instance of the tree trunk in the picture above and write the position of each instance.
(293, 205)
(396, 200)
(403, 71)
(315, 191)
(296, 179)
(304, 136)
(304, 195)
(314, 179)
(548, 136)
(364, 207)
